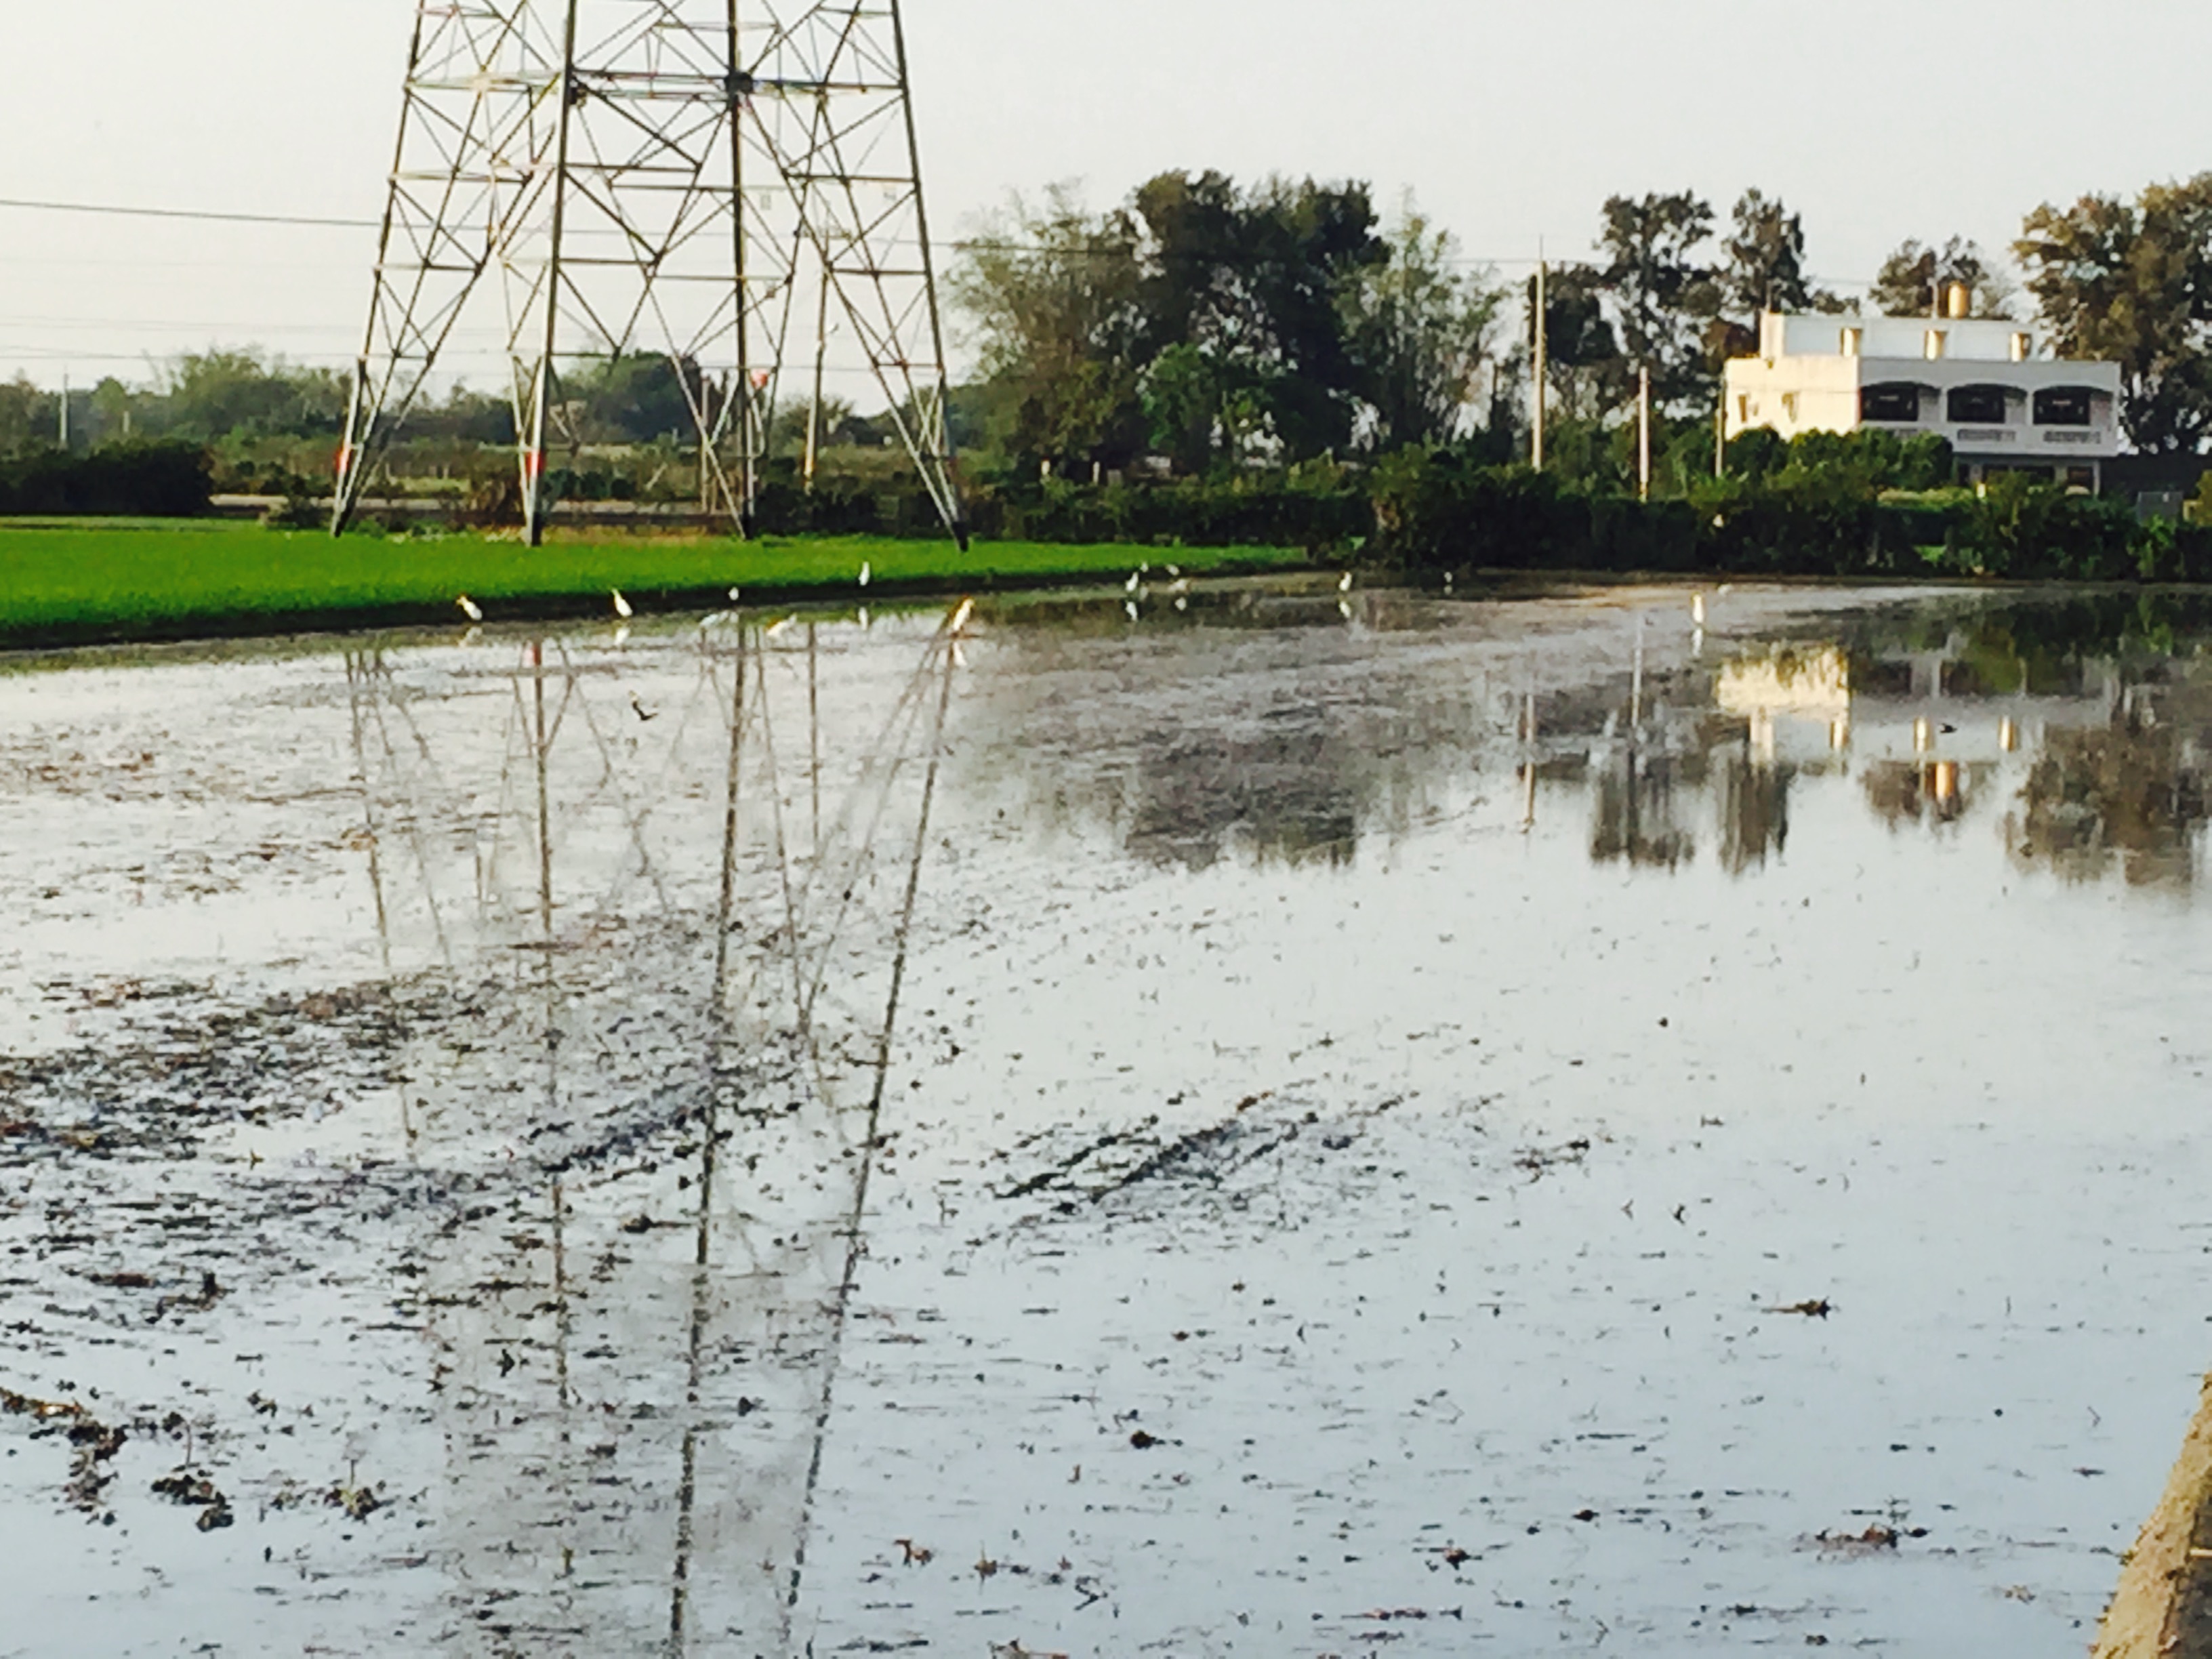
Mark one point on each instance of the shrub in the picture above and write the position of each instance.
(160, 479)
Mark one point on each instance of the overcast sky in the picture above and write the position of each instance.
(1878, 119)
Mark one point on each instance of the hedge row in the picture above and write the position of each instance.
(156, 480)
(1433, 514)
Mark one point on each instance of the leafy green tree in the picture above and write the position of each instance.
(464, 416)
(1050, 293)
(2132, 282)
(1662, 292)
(1183, 405)
(26, 416)
(638, 397)
(239, 394)
(1912, 278)
(1421, 329)
(1254, 282)
(1588, 375)
(1763, 261)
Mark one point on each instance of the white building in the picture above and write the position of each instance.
(1986, 386)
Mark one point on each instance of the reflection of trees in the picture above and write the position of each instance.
(1637, 819)
(2130, 794)
(1911, 792)
(1264, 729)
(1754, 811)
(1288, 794)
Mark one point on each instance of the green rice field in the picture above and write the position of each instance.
(71, 581)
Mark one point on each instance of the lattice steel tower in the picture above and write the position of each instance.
(687, 179)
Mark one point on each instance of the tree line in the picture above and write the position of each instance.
(1205, 327)
(1207, 324)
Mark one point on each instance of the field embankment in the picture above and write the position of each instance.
(2163, 1609)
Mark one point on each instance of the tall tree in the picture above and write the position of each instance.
(26, 416)
(1913, 280)
(1051, 292)
(1763, 261)
(1588, 375)
(1421, 328)
(1662, 291)
(2132, 282)
(1252, 281)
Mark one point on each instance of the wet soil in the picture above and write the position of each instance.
(1279, 1125)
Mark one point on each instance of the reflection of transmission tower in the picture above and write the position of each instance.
(678, 178)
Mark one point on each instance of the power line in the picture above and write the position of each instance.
(215, 216)
(205, 216)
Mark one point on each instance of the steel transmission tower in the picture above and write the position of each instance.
(685, 180)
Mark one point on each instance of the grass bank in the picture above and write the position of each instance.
(64, 581)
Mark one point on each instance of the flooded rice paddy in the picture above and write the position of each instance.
(1278, 1125)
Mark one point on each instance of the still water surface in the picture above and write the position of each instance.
(1275, 1126)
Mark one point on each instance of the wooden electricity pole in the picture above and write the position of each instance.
(1543, 355)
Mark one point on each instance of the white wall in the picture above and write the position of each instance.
(1977, 341)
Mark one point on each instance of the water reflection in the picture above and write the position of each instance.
(656, 1064)
(2129, 795)
(2078, 726)
(1638, 810)
(642, 930)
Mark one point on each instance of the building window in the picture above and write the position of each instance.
(1854, 342)
(2023, 347)
(2063, 406)
(1890, 404)
(1976, 405)
(1743, 410)
(1789, 407)
(1939, 345)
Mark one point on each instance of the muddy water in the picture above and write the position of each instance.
(1278, 1126)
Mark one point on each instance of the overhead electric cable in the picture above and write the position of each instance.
(206, 215)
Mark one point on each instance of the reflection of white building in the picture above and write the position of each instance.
(1788, 685)
(1981, 383)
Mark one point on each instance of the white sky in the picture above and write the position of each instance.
(1878, 119)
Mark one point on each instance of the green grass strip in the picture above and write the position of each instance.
(63, 580)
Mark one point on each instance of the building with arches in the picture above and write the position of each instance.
(1989, 385)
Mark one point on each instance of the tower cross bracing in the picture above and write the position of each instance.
(701, 180)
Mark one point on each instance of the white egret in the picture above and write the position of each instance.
(623, 606)
(471, 609)
(867, 573)
(1345, 586)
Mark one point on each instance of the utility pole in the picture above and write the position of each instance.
(1543, 355)
(65, 401)
(1643, 432)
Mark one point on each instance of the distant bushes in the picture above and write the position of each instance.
(1824, 506)
(155, 480)
(1868, 505)
(1312, 508)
